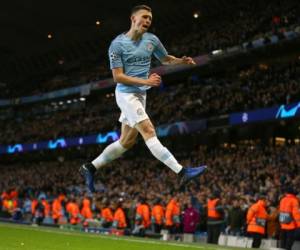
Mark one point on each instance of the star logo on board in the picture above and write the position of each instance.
(245, 117)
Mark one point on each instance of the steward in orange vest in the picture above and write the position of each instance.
(298, 214)
(107, 216)
(143, 214)
(73, 211)
(297, 236)
(215, 218)
(119, 217)
(46, 205)
(157, 215)
(142, 217)
(58, 209)
(173, 213)
(257, 217)
(86, 210)
(34, 203)
(173, 216)
(289, 218)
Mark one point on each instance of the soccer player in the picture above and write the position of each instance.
(130, 56)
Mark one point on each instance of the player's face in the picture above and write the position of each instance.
(141, 20)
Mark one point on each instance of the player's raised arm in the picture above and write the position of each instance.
(172, 60)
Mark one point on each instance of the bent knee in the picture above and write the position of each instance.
(148, 132)
(128, 143)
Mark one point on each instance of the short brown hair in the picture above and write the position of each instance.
(140, 7)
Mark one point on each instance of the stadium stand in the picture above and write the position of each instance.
(136, 194)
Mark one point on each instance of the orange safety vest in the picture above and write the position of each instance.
(211, 209)
(73, 209)
(86, 210)
(107, 214)
(158, 214)
(119, 218)
(289, 213)
(8, 205)
(297, 218)
(46, 207)
(56, 209)
(14, 194)
(15, 203)
(257, 218)
(33, 206)
(172, 213)
(143, 211)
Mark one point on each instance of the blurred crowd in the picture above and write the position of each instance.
(129, 189)
(219, 25)
(257, 86)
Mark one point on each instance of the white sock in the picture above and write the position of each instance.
(163, 154)
(110, 153)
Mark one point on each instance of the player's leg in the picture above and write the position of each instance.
(117, 148)
(110, 153)
(147, 130)
(133, 106)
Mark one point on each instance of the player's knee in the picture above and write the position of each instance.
(149, 132)
(128, 142)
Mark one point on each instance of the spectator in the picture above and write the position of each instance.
(190, 219)
(236, 218)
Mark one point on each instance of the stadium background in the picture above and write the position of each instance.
(57, 109)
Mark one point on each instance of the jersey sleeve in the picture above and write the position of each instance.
(159, 50)
(115, 55)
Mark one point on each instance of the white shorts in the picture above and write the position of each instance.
(132, 107)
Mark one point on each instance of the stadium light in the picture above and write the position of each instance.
(196, 15)
(217, 52)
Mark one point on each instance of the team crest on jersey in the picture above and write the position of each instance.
(140, 111)
(149, 46)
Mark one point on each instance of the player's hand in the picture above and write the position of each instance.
(188, 60)
(154, 80)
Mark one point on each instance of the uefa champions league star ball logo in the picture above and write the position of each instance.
(149, 46)
(113, 56)
(245, 117)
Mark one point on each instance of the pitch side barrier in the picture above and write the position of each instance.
(278, 112)
(177, 128)
(266, 114)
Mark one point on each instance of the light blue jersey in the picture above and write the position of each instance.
(135, 58)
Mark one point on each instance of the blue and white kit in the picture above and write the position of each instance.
(135, 59)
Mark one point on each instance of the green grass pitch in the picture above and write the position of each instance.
(19, 237)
